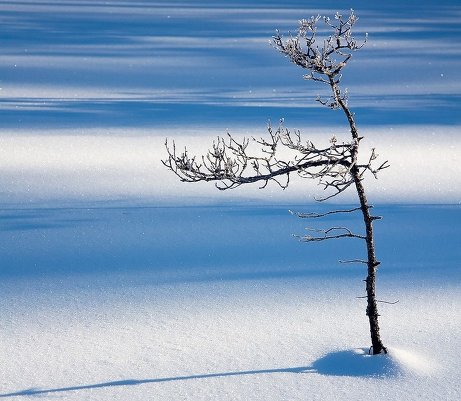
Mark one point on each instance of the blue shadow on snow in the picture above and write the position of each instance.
(352, 363)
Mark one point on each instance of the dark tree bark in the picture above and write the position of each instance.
(372, 263)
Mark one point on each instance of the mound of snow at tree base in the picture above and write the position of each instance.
(412, 362)
(359, 362)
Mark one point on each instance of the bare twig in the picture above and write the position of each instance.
(354, 261)
(313, 215)
(342, 232)
(381, 301)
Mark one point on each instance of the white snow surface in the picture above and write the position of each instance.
(94, 165)
(118, 282)
(256, 340)
(205, 303)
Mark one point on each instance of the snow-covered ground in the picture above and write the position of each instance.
(221, 303)
(124, 167)
(120, 283)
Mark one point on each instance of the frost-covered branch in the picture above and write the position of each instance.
(231, 163)
(324, 60)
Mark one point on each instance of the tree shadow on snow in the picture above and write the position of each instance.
(352, 363)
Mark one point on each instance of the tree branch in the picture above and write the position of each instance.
(354, 261)
(320, 215)
(325, 62)
(328, 234)
(381, 301)
(231, 164)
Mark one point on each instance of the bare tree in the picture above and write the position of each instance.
(231, 163)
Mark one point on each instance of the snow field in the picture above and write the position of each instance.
(107, 295)
(280, 321)
(268, 339)
(125, 166)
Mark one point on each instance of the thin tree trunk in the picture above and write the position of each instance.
(372, 263)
